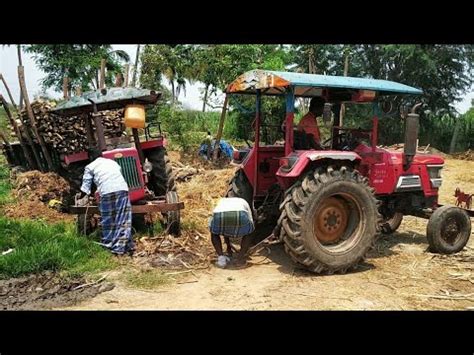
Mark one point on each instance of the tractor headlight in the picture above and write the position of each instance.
(434, 171)
(148, 167)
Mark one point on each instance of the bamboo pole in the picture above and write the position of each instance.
(8, 92)
(31, 116)
(220, 129)
(18, 133)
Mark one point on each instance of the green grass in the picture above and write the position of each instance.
(148, 279)
(39, 247)
(5, 185)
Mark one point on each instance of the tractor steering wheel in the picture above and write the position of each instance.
(347, 143)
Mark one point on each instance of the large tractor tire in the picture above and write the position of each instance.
(329, 220)
(162, 178)
(391, 224)
(448, 230)
(239, 186)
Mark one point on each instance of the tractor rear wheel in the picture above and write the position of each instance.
(162, 178)
(240, 186)
(391, 224)
(329, 220)
(448, 230)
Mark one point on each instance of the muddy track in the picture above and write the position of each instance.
(46, 291)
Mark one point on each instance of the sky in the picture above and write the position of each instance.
(191, 99)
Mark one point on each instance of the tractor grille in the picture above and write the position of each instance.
(129, 172)
(409, 182)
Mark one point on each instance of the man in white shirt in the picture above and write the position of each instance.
(114, 202)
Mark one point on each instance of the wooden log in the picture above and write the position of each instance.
(21, 75)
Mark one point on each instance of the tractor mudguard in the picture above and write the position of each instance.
(307, 157)
(155, 143)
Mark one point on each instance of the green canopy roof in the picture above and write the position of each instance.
(106, 99)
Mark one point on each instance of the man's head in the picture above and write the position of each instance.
(94, 153)
(316, 106)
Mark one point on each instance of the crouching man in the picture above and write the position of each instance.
(114, 204)
(231, 218)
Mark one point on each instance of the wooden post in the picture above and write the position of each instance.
(31, 116)
(66, 88)
(102, 74)
(8, 92)
(221, 128)
(127, 70)
(78, 91)
(18, 133)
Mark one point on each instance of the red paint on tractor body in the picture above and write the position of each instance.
(382, 167)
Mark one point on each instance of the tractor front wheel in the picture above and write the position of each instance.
(448, 230)
(391, 224)
(162, 178)
(329, 220)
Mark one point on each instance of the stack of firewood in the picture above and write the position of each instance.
(68, 135)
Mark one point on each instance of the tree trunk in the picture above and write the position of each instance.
(173, 98)
(204, 101)
(66, 88)
(127, 70)
(137, 57)
(221, 128)
(454, 138)
(102, 74)
(31, 116)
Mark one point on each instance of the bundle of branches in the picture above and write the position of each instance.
(68, 135)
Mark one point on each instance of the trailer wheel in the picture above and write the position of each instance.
(448, 230)
(391, 224)
(239, 186)
(173, 223)
(329, 220)
(85, 224)
(162, 178)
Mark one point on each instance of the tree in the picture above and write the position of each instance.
(80, 62)
(174, 62)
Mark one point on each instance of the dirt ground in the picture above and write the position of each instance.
(400, 274)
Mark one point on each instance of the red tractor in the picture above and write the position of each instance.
(145, 164)
(329, 204)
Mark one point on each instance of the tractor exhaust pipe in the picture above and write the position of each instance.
(412, 126)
